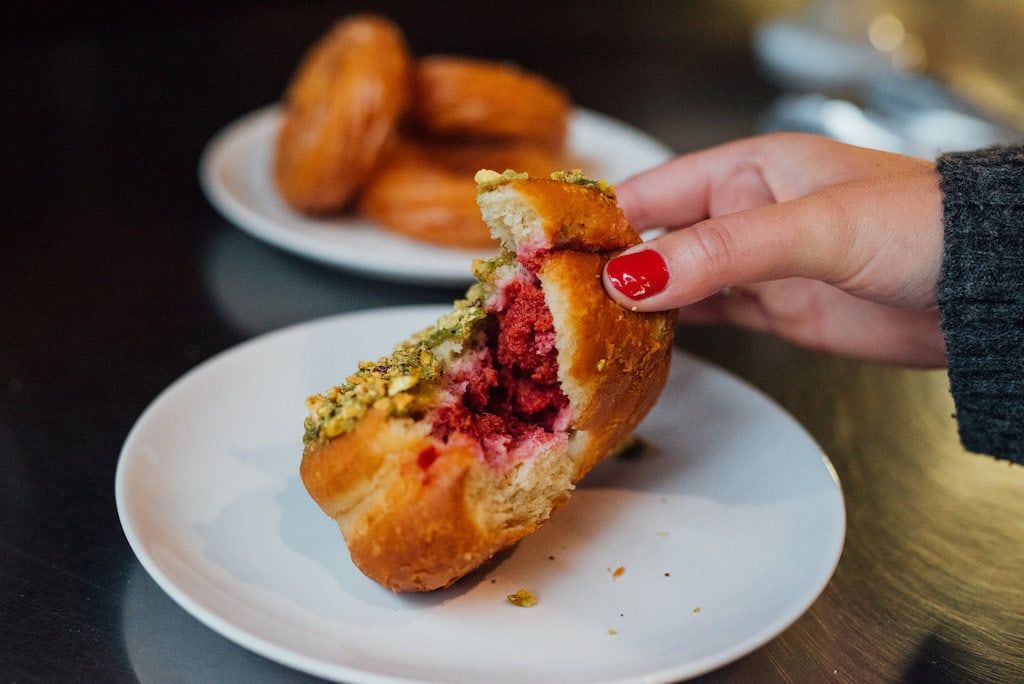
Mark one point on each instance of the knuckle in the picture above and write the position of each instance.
(712, 248)
(839, 244)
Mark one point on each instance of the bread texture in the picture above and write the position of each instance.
(406, 457)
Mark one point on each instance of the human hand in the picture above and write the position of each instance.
(831, 246)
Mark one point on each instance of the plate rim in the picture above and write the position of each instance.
(338, 672)
(243, 217)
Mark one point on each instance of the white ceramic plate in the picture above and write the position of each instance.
(235, 174)
(728, 526)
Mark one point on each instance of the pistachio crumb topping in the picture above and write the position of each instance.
(523, 598)
(393, 383)
(576, 177)
(484, 269)
(488, 180)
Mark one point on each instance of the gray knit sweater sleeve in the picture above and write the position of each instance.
(981, 296)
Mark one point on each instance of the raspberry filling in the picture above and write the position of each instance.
(506, 394)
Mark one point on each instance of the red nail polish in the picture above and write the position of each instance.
(638, 275)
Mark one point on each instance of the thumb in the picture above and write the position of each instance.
(802, 238)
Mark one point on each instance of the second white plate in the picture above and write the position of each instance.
(235, 172)
(727, 527)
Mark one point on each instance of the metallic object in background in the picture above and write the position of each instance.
(867, 95)
(920, 132)
(806, 57)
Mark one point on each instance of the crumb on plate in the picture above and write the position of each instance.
(523, 598)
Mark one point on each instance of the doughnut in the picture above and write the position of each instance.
(425, 190)
(458, 97)
(472, 432)
(340, 109)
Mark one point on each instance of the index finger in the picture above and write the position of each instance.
(678, 192)
(746, 174)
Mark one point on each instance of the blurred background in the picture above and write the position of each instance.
(696, 56)
(117, 276)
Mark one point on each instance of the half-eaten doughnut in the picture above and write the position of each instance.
(474, 430)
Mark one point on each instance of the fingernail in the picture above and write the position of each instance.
(638, 275)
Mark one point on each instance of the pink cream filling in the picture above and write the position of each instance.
(505, 395)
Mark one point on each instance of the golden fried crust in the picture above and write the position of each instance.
(425, 190)
(577, 217)
(421, 534)
(613, 363)
(341, 106)
(409, 525)
(427, 203)
(459, 97)
(466, 158)
(339, 473)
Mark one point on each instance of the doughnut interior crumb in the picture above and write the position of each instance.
(523, 598)
(511, 221)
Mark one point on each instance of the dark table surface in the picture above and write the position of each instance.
(116, 276)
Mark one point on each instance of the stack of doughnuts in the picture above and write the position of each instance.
(398, 138)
